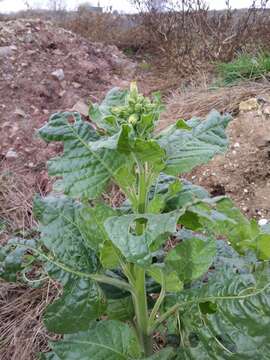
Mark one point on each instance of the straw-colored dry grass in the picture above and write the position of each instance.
(198, 102)
(22, 334)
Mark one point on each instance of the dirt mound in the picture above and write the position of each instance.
(244, 172)
(44, 69)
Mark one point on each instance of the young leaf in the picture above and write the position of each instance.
(191, 258)
(98, 113)
(187, 149)
(104, 340)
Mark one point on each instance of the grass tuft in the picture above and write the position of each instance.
(244, 67)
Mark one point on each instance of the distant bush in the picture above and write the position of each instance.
(244, 67)
(187, 35)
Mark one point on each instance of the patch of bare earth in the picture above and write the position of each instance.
(244, 172)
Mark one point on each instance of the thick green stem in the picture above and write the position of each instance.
(139, 290)
(141, 311)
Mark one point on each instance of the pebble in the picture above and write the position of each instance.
(262, 222)
(11, 154)
(59, 74)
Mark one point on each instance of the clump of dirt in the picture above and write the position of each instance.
(44, 69)
(244, 172)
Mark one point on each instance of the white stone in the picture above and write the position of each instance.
(262, 222)
(11, 154)
(59, 74)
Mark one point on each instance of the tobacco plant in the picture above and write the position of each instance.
(171, 273)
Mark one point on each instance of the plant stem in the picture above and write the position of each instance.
(141, 311)
(164, 317)
(157, 305)
(139, 295)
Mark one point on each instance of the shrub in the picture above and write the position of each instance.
(121, 281)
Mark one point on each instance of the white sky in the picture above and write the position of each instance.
(124, 5)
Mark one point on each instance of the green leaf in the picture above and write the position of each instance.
(120, 309)
(138, 248)
(171, 279)
(242, 233)
(98, 113)
(60, 233)
(232, 319)
(13, 260)
(104, 340)
(81, 302)
(164, 354)
(108, 255)
(192, 258)
(149, 151)
(82, 299)
(263, 246)
(91, 224)
(187, 149)
(85, 171)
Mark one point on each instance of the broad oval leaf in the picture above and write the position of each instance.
(110, 340)
(186, 149)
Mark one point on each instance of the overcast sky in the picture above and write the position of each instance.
(124, 5)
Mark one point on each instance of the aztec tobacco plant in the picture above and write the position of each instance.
(207, 296)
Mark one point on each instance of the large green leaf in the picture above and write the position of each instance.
(105, 340)
(138, 248)
(85, 168)
(186, 149)
(81, 302)
(228, 317)
(192, 258)
(82, 299)
(60, 232)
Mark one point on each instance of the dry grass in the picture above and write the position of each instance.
(22, 334)
(198, 102)
(15, 202)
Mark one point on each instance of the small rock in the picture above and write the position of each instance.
(11, 155)
(20, 112)
(248, 105)
(236, 145)
(266, 110)
(76, 85)
(245, 191)
(5, 51)
(81, 108)
(262, 222)
(59, 74)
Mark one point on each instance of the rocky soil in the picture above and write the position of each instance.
(44, 69)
